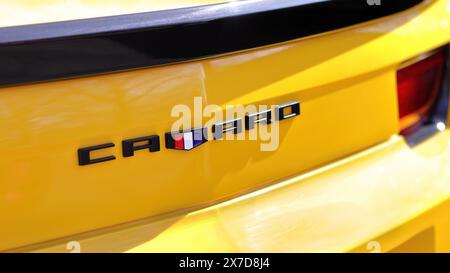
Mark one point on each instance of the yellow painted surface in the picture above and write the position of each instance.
(345, 81)
(385, 196)
(25, 12)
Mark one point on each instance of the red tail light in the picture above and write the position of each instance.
(418, 87)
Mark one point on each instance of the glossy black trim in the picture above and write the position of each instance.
(67, 49)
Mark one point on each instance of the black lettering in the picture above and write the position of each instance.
(234, 125)
(281, 113)
(263, 117)
(151, 143)
(84, 154)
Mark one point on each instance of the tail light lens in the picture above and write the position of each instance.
(418, 86)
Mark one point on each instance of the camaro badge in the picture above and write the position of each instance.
(189, 139)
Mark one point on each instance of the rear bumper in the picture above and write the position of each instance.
(388, 198)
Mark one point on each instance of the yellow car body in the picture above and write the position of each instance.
(341, 180)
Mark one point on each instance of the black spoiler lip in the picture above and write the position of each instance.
(51, 51)
(143, 21)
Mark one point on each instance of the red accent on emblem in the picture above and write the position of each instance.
(179, 141)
